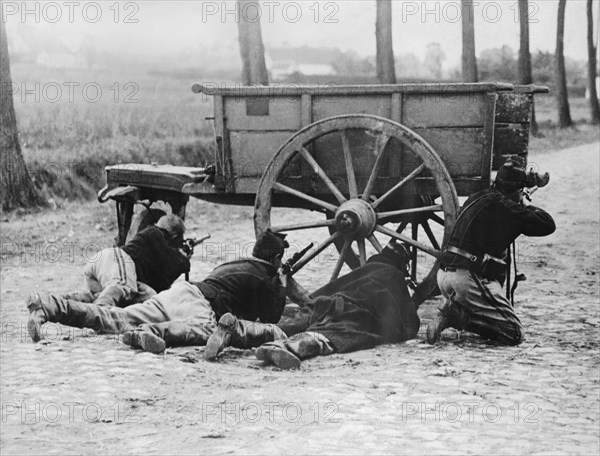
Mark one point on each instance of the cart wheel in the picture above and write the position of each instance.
(355, 213)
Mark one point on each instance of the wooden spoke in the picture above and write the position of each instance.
(362, 251)
(317, 169)
(340, 261)
(401, 237)
(413, 254)
(414, 210)
(436, 218)
(375, 243)
(382, 140)
(430, 235)
(349, 166)
(303, 226)
(304, 196)
(401, 227)
(300, 264)
(418, 170)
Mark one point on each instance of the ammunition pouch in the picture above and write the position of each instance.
(493, 268)
(486, 266)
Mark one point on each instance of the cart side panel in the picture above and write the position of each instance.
(256, 128)
(263, 113)
(251, 152)
(460, 110)
(335, 105)
(459, 149)
(459, 126)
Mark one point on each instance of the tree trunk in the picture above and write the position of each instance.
(592, 62)
(469, 60)
(252, 50)
(524, 54)
(386, 73)
(562, 98)
(525, 74)
(15, 184)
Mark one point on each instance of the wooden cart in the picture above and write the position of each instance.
(374, 162)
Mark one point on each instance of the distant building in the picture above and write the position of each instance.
(284, 61)
(44, 48)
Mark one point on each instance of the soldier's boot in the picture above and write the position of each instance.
(114, 295)
(145, 340)
(449, 316)
(37, 316)
(509, 334)
(156, 337)
(131, 337)
(45, 309)
(240, 334)
(288, 353)
(294, 321)
(57, 309)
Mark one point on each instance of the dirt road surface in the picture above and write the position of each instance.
(79, 393)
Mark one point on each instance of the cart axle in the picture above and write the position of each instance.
(355, 218)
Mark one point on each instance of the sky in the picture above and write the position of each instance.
(166, 27)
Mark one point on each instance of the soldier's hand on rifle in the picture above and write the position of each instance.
(283, 278)
(187, 250)
(188, 245)
(288, 267)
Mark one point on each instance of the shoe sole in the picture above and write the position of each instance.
(279, 357)
(34, 304)
(129, 338)
(215, 344)
(34, 329)
(151, 343)
(220, 338)
(431, 338)
(433, 333)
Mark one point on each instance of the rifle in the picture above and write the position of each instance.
(188, 248)
(287, 267)
(190, 243)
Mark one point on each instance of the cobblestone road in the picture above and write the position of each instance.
(80, 393)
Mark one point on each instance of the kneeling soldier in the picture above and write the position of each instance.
(472, 268)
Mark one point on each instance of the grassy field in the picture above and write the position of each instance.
(73, 123)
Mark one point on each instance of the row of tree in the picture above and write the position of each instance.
(496, 64)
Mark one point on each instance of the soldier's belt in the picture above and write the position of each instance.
(463, 253)
(488, 266)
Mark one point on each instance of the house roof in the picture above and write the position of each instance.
(303, 54)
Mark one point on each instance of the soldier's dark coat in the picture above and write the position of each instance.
(157, 264)
(367, 307)
(248, 288)
(491, 224)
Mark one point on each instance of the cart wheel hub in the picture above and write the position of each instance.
(355, 218)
